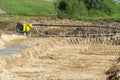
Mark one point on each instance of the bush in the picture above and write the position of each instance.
(94, 4)
(110, 7)
(65, 8)
(77, 9)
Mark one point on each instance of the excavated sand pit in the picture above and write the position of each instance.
(59, 59)
(56, 58)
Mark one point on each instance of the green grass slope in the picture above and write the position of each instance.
(27, 7)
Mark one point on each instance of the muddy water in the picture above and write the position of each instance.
(13, 48)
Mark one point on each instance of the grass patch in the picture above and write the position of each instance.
(27, 7)
(5, 22)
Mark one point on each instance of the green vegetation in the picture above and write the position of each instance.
(5, 22)
(27, 7)
(82, 9)
(70, 9)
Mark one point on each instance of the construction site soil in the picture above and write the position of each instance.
(54, 58)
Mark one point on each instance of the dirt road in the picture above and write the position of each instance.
(59, 59)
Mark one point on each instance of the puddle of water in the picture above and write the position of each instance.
(13, 50)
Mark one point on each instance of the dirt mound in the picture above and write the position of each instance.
(6, 40)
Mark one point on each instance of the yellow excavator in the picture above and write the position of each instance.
(23, 29)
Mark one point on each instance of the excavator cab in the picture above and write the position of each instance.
(23, 29)
(19, 28)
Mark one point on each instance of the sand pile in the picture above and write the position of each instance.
(6, 39)
(1, 44)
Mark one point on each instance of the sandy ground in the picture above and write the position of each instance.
(55, 58)
(8, 40)
(58, 59)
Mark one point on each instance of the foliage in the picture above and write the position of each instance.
(77, 9)
(96, 4)
(65, 8)
(5, 22)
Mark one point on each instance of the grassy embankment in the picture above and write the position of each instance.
(28, 7)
